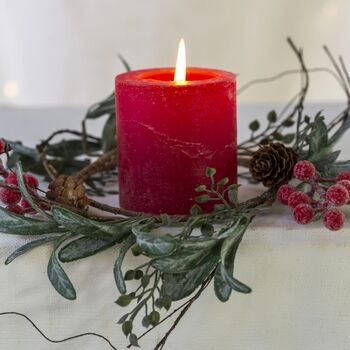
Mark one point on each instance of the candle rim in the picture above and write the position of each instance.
(137, 77)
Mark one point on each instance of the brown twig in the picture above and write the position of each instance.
(50, 169)
(338, 70)
(66, 131)
(272, 129)
(346, 87)
(162, 342)
(83, 212)
(268, 197)
(57, 341)
(346, 73)
(325, 180)
(299, 107)
(289, 104)
(113, 210)
(84, 136)
(283, 74)
(106, 162)
(162, 321)
(244, 162)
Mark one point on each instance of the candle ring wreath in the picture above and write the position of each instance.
(298, 166)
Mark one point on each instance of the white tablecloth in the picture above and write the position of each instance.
(300, 278)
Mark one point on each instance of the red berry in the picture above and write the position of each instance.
(346, 184)
(27, 207)
(9, 196)
(31, 181)
(2, 146)
(304, 170)
(24, 204)
(297, 198)
(337, 195)
(303, 214)
(11, 180)
(334, 219)
(284, 193)
(15, 208)
(344, 175)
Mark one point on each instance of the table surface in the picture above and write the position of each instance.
(300, 277)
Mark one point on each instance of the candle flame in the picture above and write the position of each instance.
(180, 71)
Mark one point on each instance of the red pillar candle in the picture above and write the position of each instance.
(169, 133)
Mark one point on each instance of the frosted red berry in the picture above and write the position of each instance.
(334, 219)
(2, 146)
(24, 204)
(27, 207)
(304, 170)
(297, 198)
(31, 181)
(8, 196)
(337, 195)
(284, 193)
(346, 184)
(11, 180)
(15, 208)
(303, 214)
(344, 175)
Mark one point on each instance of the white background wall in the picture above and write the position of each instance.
(64, 52)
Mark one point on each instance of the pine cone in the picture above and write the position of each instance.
(69, 190)
(273, 164)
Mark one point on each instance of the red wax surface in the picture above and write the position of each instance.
(169, 133)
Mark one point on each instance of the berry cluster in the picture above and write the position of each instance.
(323, 198)
(9, 193)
